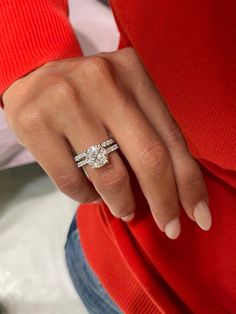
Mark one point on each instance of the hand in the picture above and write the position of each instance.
(72, 104)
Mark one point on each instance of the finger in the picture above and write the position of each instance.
(191, 187)
(149, 159)
(55, 156)
(111, 180)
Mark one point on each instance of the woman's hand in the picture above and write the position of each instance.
(75, 103)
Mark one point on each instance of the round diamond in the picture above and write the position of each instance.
(96, 156)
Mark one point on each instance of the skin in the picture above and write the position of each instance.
(72, 104)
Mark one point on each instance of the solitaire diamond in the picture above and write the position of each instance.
(96, 156)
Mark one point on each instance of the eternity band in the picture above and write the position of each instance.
(96, 155)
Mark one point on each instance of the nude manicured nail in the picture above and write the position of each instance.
(202, 215)
(128, 217)
(173, 228)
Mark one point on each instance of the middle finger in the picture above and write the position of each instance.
(150, 160)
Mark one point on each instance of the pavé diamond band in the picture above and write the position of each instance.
(96, 155)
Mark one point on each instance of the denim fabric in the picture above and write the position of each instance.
(90, 290)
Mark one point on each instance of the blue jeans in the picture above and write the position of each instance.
(90, 290)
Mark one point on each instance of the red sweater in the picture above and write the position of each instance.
(189, 48)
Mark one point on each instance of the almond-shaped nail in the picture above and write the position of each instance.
(173, 228)
(202, 215)
(128, 217)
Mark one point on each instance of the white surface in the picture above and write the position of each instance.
(94, 25)
(34, 220)
(35, 216)
(11, 152)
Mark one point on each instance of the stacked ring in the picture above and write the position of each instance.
(96, 155)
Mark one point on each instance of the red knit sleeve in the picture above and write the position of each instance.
(33, 32)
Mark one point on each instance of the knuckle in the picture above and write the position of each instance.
(63, 89)
(113, 179)
(130, 52)
(132, 62)
(154, 157)
(175, 138)
(69, 184)
(97, 66)
(192, 180)
(167, 209)
(130, 59)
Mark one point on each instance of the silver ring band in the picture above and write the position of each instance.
(96, 155)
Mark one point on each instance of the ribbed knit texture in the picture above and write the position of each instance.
(31, 34)
(145, 272)
(189, 49)
(113, 269)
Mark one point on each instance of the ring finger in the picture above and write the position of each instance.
(111, 180)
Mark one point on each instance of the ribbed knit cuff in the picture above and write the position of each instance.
(33, 33)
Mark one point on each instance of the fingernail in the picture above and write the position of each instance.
(98, 200)
(173, 228)
(128, 217)
(202, 215)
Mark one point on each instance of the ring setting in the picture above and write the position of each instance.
(96, 155)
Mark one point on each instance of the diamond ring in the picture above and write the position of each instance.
(96, 155)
